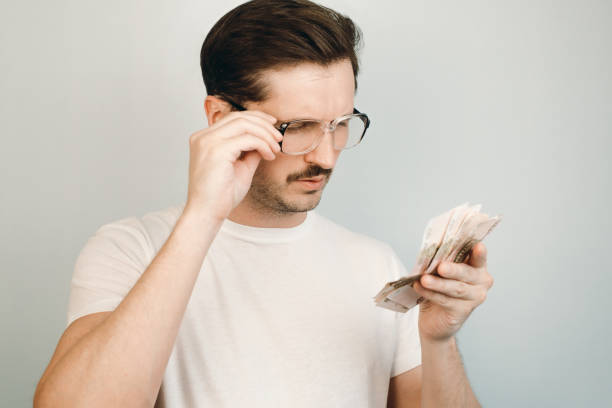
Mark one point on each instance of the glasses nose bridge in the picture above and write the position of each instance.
(328, 126)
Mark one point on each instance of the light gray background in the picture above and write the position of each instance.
(507, 104)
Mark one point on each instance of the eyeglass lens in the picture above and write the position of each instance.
(303, 135)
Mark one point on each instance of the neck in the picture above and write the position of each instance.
(247, 215)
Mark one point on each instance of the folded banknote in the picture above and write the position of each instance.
(447, 237)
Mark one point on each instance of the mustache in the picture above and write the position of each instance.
(312, 172)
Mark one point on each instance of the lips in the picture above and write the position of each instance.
(315, 183)
(314, 180)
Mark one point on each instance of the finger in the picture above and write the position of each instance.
(246, 143)
(266, 120)
(245, 167)
(458, 271)
(478, 255)
(254, 118)
(247, 117)
(244, 125)
(450, 287)
(262, 115)
(436, 297)
(255, 113)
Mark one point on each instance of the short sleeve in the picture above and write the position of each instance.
(408, 346)
(107, 267)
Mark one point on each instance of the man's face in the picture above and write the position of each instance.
(305, 91)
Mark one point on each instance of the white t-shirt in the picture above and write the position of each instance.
(278, 317)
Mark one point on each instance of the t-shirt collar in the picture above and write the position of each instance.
(265, 234)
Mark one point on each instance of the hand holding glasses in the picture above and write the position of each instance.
(304, 135)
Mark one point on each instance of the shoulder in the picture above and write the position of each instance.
(140, 236)
(151, 223)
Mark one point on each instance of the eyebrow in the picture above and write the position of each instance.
(306, 118)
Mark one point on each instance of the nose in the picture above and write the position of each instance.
(324, 155)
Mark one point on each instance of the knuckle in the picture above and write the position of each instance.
(467, 310)
(266, 148)
(205, 147)
(193, 138)
(445, 269)
(453, 320)
(264, 145)
(460, 290)
(454, 269)
(243, 122)
(442, 300)
(214, 150)
(200, 139)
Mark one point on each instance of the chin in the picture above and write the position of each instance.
(305, 202)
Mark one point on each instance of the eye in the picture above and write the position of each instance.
(297, 125)
(303, 126)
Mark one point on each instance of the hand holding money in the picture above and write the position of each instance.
(448, 237)
(452, 296)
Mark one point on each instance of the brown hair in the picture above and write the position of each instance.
(269, 34)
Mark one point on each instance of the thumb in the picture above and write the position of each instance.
(478, 255)
(251, 160)
(245, 167)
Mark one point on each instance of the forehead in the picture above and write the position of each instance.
(309, 90)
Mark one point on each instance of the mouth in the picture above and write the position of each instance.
(319, 178)
(313, 182)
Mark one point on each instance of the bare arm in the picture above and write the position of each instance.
(119, 358)
(405, 389)
(440, 380)
(121, 361)
(450, 298)
(445, 383)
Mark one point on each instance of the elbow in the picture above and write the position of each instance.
(48, 396)
(42, 397)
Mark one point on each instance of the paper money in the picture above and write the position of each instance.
(447, 237)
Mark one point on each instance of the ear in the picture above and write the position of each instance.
(215, 108)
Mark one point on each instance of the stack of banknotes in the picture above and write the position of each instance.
(447, 237)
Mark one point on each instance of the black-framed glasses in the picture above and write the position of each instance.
(301, 136)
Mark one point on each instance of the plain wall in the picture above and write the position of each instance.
(508, 104)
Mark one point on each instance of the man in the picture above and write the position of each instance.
(243, 295)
